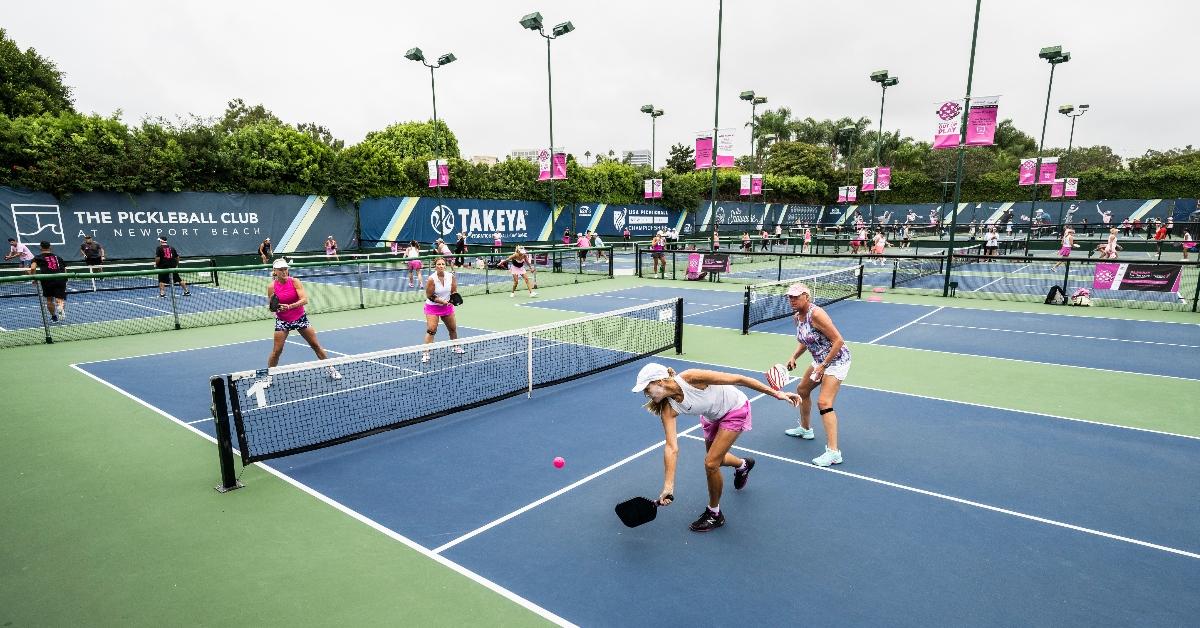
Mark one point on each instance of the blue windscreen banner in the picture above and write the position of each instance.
(197, 223)
(610, 219)
(423, 219)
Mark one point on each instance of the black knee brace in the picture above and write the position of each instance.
(827, 410)
(431, 331)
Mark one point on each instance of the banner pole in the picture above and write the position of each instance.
(962, 139)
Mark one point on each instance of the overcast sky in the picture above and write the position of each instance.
(341, 64)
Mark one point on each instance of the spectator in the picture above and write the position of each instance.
(18, 251)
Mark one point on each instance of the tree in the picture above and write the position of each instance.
(682, 159)
(1153, 159)
(238, 115)
(791, 159)
(30, 84)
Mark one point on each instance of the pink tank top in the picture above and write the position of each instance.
(286, 293)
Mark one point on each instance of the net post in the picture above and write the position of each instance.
(611, 252)
(895, 268)
(1066, 282)
(860, 274)
(41, 305)
(529, 362)
(216, 278)
(1196, 296)
(362, 304)
(174, 304)
(778, 272)
(673, 254)
(220, 412)
(679, 326)
(746, 311)
(637, 259)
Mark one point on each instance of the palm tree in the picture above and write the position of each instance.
(588, 155)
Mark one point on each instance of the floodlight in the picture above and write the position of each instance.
(1084, 106)
(563, 29)
(758, 100)
(1050, 52)
(747, 95)
(447, 58)
(879, 76)
(657, 112)
(414, 54)
(648, 109)
(1066, 109)
(533, 21)
(893, 80)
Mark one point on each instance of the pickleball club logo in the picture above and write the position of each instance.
(720, 215)
(1105, 276)
(949, 110)
(442, 220)
(619, 219)
(35, 223)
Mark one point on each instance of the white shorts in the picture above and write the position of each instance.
(839, 371)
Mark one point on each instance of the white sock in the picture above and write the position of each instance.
(743, 465)
(716, 510)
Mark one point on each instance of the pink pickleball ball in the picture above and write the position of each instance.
(559, 462)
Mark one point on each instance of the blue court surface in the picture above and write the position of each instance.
(1146, 347)
(118, 305)
(940, 514)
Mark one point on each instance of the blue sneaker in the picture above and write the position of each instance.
(800, 432)
(829, 457)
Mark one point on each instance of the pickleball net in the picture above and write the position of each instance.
(296, 408)
(768, 301)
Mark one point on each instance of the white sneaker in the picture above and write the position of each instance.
(333, 373)
(829, 457)
(512, 294)
(425, 357)
(800, 432)
(459, 350)
(533, 293)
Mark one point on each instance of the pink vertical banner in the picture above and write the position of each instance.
(756, 184)
(981, 121)
(842, 194)
(649, 192)
(658, 188)
(1056, 188)
(725, 140)
(704, 148)
(433, 173)
(1071, 187)
(1104, 275)
(744, 188)
(443, 173)
(883, 178)
(559, 167)
(949, 121)
(851, 193)
(1026, 176)
(1048, 171)
(868, 180)
(543, 164)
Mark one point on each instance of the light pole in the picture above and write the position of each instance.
(754, 101)
(962, 140)
(712, 199)
(848, 132)
(1071, 112)
(1053, 55)
(654, 114)
(415, 54)
(533, 22)
(885, 81)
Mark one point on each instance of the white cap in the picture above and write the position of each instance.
(652, 372)
(280, 263)
(798, 289)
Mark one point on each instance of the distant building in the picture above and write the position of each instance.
(526, 154)
(485, 160)
(636, 157)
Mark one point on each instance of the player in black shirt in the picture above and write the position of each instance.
(166, 256)
(54, 290)
(93, 251)
(264, 251)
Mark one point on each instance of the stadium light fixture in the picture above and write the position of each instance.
(885, 81)
(563, 29)
(747, 95)
(414, 54)
(533, 22)
(754, 101)
(654, 114)
(1053, 55)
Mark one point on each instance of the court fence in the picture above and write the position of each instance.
(1126, 282)
(100, 303)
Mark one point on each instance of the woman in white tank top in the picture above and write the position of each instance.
(724, 414)
(438, 288)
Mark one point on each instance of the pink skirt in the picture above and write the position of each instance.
(516, 271)
(1064, 251)
(433, 309)
(414, 264)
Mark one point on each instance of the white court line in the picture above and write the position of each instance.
(967, 502)
(530, 506)
(912, 322)
(328, 350)
(147, 307)
(1080, 316)
(979, 405)
(1001, 278)
(199, 421)
(378, 527)
(1046, 333)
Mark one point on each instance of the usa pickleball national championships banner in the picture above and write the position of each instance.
(1144, 277)
(197, 223)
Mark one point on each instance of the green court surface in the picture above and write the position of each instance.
(110, 517)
